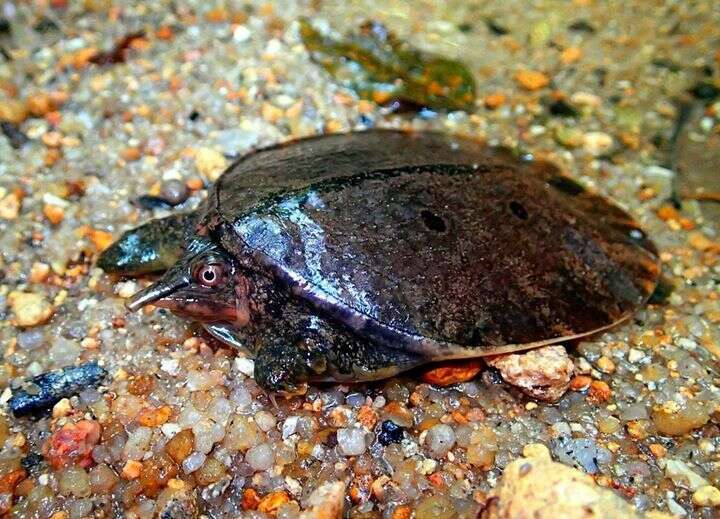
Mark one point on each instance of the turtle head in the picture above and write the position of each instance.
(206, 286)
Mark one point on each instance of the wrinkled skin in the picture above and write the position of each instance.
(354, 257)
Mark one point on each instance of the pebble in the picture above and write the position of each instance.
(193, 462)
(390, 433)
(351, 442)
(440, 439)
(543, 373)
(597, 143)
(260, 457)
(174, 192)
(13, 111)
(707, 496)
(683, 476)
(210, 163)
(74, 481)
(30, 339)
(532, 79)
(265, 420)
(29, 309)
(10, 206)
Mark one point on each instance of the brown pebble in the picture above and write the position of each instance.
(532, 79)
(55, 214)
(273, 501)
(494, 101)
(599, 392)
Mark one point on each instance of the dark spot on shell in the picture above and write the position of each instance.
(433, 221)
(519, 210)
(566, 185)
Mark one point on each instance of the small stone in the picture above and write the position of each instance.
(174, 192)
(390, 433)
(606, 365)
(706, 496)
(272, 502)
(494, 101)
(599, 392)
(74, 481)
(435, 507)
(210, 163)
(132, 469)
(570, 55)
(102, 479)
(180, 446)
(10, 206)
(211, 472)
(658, 450)
(72, 444)
(635, 355)
(453, 372)
(597, 143)
(62, 408)
(543, 373)
(261, 457)
(440, 439)
(13, 111)
(683, 476)
(699, 241)
(265, 420)
(193, 462)
(40, 104)
(351, 442)
(131, 154)
(54, 213)
(532, 79)
(245, 366)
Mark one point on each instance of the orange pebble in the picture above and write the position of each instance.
(453, 372)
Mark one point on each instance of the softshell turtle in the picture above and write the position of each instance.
(356, 256)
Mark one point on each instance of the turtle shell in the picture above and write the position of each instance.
(434, 243)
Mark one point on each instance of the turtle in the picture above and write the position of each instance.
(356, 256)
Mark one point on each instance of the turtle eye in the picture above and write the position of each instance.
(211, 275)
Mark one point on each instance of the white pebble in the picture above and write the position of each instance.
(170, 429)
(635, 355)
(265, 420)
(351, 441)
(289, 426)
(245, 366)
(170, 366)
(260, 457)
(440, 439)
(193, 462)
(126, 289)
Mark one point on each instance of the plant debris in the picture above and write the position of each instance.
(380, 67)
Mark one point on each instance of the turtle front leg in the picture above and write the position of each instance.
(324, 355)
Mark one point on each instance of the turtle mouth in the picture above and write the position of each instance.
(156, 294)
